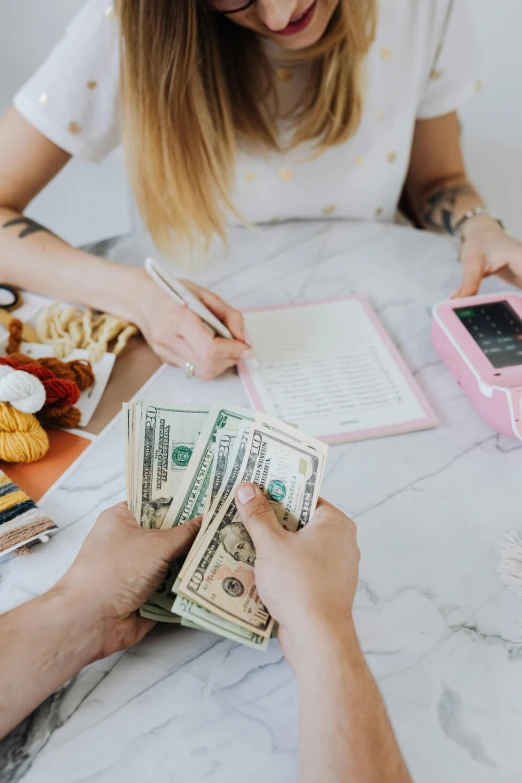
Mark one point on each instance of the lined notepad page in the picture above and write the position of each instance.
(327, 368)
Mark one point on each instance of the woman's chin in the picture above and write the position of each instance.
(322, 13)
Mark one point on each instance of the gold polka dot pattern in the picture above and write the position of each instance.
(286, 174)
(75, 128)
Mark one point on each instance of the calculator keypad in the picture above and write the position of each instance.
(497, 330)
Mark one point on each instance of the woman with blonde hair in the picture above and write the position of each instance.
(245, 112)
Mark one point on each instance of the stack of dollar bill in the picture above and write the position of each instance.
(184, 461)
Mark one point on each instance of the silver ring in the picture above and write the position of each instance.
(189, 369)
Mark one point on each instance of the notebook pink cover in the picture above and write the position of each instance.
(428, 419)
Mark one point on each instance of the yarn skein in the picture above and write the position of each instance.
(77, 370)
(66, 328)
(15, 328)
(25, 392)
(63, 383)
(26, 385)
(58, 392)
(68, 417)
(22, 438)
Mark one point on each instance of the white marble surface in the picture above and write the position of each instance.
(439, 631)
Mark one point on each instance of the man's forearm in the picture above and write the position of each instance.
(33, 258)
(345, 735)
(43, 643)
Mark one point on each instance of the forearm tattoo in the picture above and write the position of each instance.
(27, 226)
(438, 212)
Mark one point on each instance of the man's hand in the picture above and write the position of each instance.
(307, 580)
(117, 569)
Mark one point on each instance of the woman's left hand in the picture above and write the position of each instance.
(488, 250)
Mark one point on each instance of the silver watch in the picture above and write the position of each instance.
(473, 213)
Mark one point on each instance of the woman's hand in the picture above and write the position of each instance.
(488, 250)
(178, 336)
(117, 569)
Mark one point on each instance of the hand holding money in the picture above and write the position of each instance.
(117, 568)
(175, 473)
(306, 580)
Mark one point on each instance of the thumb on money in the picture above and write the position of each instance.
(258, 516)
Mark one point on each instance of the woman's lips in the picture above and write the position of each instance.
(299, 23)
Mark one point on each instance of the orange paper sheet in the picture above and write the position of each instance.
(38, 477)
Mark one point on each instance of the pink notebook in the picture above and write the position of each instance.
(330, 367)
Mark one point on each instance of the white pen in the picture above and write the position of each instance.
(183, 296)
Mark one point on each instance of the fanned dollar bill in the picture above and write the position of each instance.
(223, 483)
(161, 443)
(191, 497)
(182, 491)
(220, 577)
(182, 461)
(156, 613)
(195, 616)
(167, 439)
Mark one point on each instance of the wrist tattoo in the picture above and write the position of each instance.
(439, 210)
(27, 225)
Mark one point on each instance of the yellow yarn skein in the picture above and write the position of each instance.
(22, 438)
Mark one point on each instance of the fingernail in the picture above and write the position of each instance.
(245, 493)
(249, 354)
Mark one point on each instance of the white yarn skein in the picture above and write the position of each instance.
(23, 391)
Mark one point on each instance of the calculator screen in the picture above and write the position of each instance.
(497, 329)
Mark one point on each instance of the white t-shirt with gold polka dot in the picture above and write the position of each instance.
(423, 64)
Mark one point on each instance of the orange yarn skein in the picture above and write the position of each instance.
(15, 335)
(78, 370)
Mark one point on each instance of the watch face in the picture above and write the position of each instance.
(497, 330)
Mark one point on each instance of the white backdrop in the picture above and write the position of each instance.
(89, 202)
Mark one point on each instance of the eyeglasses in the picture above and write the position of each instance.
(227, 7)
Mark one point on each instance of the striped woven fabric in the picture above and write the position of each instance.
(21, 520)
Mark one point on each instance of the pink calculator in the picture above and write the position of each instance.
(480, 341)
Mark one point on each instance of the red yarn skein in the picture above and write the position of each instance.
(35, 369)
(63, 383)
(58, 392)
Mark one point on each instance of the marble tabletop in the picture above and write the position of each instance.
(439, 631)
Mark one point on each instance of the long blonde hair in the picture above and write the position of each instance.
(194, 84)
